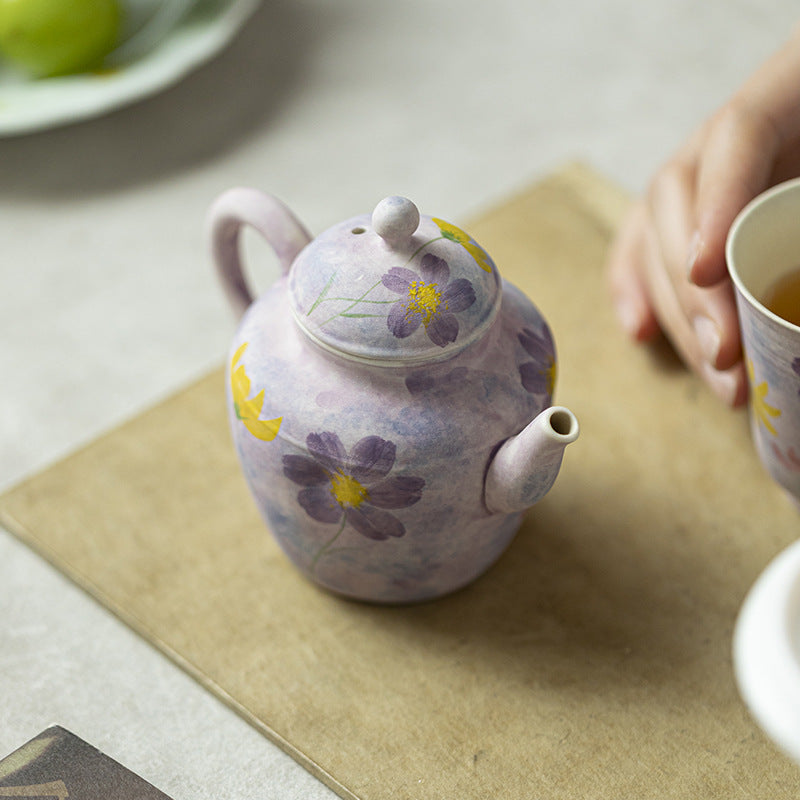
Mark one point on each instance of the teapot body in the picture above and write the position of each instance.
(371, 477)
(383, 397)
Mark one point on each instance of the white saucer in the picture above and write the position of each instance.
(33, 105)
(766, 650)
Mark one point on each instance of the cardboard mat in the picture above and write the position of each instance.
(593, 661)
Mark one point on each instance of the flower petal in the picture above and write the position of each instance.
(480, 255)
(264, 429)
(320, 504)
(534, 377)
(327, 449)
(401, 321)
(400, 491)
(398, 279)
(418, 382)
(371, 459)
(374, 523)
(303, 470)
(423, 381)
(537, 345)
(458, 295)
(443, 329)
(434, 269)
(450, 231)
(240, 386)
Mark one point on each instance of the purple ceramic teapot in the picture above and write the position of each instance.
(389, 397)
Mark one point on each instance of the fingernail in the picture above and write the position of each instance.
(724, 384)
(708, 337)
(694, 251)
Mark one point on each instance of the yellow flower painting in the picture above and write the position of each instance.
(455, 234)
(248, 409)
(764, 412)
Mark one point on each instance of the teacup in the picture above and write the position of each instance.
(763, 250)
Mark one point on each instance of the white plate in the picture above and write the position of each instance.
(766, 650)
(32, 105)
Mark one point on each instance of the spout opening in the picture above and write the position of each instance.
(563, 424)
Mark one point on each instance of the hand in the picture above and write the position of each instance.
(667, 266)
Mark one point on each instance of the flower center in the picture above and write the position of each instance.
(347, 491)
(424, 298)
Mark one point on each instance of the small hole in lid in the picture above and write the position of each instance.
(358, 230)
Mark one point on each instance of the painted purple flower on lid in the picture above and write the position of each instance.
(538, 376)
(430, 299)
(354, 487)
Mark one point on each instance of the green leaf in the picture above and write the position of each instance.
(322, 294)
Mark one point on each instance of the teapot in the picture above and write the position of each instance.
(389, 397)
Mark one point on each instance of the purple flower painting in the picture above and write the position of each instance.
(429, 298)
(538, 376)
(355, 487)
(422, 381)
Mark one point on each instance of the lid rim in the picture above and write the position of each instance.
(402, 358)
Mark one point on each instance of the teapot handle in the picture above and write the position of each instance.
(270, 217)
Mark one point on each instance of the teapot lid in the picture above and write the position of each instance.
(394, 287)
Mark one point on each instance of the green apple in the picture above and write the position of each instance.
(57, 37)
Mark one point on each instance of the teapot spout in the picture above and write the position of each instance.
(526, 465)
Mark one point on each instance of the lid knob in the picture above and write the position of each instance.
(395, 219)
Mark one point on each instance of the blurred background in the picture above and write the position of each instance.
(108, 302)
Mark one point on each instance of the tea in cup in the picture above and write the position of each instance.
(763, 255)
(783, 297)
